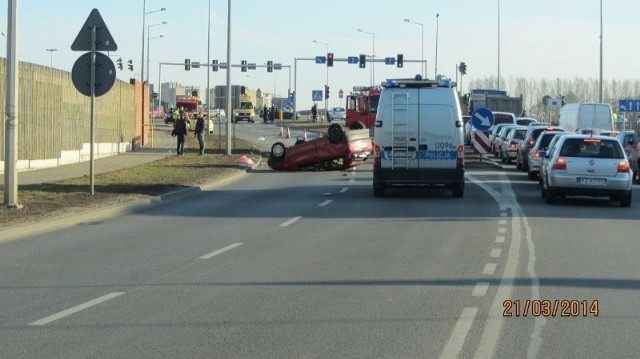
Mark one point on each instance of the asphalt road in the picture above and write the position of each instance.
(310, 264)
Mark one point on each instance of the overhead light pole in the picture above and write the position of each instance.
(373, 54)
(144, 15)
(498, 85)
(51, 51)
(423, 67)
(148, 47)
(436, 59)
(600, 51)
(326, 100)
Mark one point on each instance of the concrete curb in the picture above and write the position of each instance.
(121, 209)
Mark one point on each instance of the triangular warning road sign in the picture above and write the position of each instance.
(104, 40)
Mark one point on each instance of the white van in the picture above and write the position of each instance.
(418, 136)
(575, 116)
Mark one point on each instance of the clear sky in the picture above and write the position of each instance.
(538, 38)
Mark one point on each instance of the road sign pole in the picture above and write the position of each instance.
(93, 112)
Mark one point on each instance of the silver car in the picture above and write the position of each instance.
(535, 153)
(586, 165)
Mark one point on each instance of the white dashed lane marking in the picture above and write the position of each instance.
(495, 253)
(489, 268)
(292, 220)
(325, 203)
(221, 250)
(480, 289)
(76, 309)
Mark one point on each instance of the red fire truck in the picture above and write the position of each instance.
(362, 106)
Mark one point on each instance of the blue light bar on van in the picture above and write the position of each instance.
(418, 82)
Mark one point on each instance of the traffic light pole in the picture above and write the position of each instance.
(295, 72)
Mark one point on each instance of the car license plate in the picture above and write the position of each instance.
(591, 181)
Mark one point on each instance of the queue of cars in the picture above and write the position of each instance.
(585, 162)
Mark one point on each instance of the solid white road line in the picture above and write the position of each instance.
(495, 253)
(285, 224)
(480, 289)
(77, 308)
(325, 203)
(489, 268)
(221, 250)
(456, 341)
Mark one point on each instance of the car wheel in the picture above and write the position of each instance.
(551, 196)
(458, 190)
(358, 125)
(543, 192)
(278, 151)
(335, 133)
(299, 142)
(525, 165)
(532, 175)
(518, 163)
(625, 201)
(378, 191)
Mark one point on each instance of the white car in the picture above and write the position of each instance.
(336, 113)
(586, 165)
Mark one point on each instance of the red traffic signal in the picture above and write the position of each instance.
(330, 59)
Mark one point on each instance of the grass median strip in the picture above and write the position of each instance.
(51, 200)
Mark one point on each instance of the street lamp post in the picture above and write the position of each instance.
(144, 15)
(600, 51)
(326, 102)
(423, 67)
(436, 59)
(148, 49)
(373, 54)
(51, 51)
(498, 84)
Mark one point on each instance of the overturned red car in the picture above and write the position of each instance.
(339, 150)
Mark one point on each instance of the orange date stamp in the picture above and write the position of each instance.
(551, 308)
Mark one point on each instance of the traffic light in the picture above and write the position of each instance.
(399, 60)
(330, 59)
(187, 64)
(243, 68)
(130, 65)
(463, 68)
(363, 61)
(119, 62)
(214, 65)
(269, 66)
(326, 92)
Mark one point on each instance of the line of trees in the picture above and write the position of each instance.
(586, 90)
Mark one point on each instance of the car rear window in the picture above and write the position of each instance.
(546, 140)
(592, 148)
(502, 118)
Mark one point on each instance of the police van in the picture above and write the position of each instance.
(418, 136)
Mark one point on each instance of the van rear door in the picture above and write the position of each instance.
(398, 136)
(439, 139)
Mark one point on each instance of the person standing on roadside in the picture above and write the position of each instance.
(180, 130)
(314, 112)
(199, 131)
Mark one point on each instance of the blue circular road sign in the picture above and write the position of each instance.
(482, 119)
